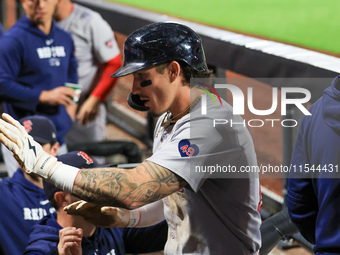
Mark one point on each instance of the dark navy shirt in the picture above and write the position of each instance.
(314, 184)
(45, 236)
(22, 204)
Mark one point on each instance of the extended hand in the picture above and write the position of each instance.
(101, 216)
(26, 151)
(88, 110)
(59, 95)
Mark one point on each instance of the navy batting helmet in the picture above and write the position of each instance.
(161, 42)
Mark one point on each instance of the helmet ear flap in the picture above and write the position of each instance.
(136, 103)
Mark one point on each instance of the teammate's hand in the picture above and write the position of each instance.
(59, 95)
(29, 154)
(71, 110)
(88, 110)
(70, 241)
(101, 216)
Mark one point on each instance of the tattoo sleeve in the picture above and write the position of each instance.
(128, 188)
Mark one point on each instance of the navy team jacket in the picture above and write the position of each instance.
(22, 205)
(314, 184)
(32, 61)
(45, 236)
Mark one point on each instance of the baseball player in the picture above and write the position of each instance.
(37, 59)
(23, 201)
(205, 215)
(98, 57)
(70, 234)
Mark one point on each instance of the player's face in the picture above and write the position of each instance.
(155, 89)
(39, 11)
(51, 149)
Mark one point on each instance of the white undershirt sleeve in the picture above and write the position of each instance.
(147, 215)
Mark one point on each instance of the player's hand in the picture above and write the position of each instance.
(88, 110)
(70, 241)
(71, 110)
(59, 95)
(101, 216)
(29, 154)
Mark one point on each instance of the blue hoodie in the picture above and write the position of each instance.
(31, 62)
(45, 236)
(314, 186)
(22, 205)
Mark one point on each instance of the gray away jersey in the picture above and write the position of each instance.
(214, 214)
(94, 41)
(94, 45)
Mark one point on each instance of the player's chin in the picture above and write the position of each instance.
(153, 109)
(39, 20)
(155, 113)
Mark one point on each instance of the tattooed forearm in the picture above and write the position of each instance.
(126, 188)
(100, 186)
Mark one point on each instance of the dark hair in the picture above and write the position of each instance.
(54, 203)
(50, 143)
(188, 71)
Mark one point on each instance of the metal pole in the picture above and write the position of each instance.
(288, 145)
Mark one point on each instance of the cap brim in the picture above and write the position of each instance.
(128, 69)
(42, 140)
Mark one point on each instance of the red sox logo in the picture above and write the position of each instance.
(28, 125)
(109, 43)
(86, 157)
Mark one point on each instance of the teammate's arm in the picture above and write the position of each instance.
(89, 109)
(107, 83)
(130, 189)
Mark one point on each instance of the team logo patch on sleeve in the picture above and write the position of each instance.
(109, 43)
(186, 149)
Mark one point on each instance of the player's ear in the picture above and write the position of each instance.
(174, 70)
(23, 3)
(60, 198)
(54, 149)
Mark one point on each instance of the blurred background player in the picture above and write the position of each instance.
(70, 234)
(37, 59)
(23, 202)
(313, 189)
(98, 57)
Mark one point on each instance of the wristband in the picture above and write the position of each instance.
(63, 176)
(134, 218)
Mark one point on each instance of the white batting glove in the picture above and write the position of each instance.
(31, 156)
(108, 217)
(101, 216)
